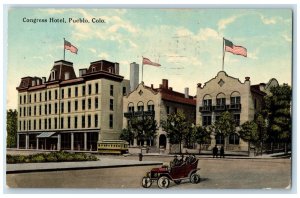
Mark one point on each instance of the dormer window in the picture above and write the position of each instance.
(67, 75)
(52, 76)
(110, 69)
(93, 69)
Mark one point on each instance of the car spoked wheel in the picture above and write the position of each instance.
(195, 178)
(146, 182)
(163, 182)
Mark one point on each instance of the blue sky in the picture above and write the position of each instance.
(186, 42)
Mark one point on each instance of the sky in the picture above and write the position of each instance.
(188, 43)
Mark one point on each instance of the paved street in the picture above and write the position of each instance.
(215, 174)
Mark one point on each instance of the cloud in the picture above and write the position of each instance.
(54, 11)
(103, 55)
(207, 33)
(93, 50)
(287, 38)
(224, 22)
(268, 21)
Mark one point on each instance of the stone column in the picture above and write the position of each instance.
(85, 141)
(27, 141)
(72, 141)
(37, 143)
(59, 142)
(18, 141)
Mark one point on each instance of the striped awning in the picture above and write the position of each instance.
(45, 134)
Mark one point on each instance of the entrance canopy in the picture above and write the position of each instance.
(45, 134)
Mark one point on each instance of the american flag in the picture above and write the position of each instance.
(147, 61)
(69, 46)
(238, 50)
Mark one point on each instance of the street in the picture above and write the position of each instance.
(215, 174)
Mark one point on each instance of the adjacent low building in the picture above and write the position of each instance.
(158, 103)
(67, 112)
(226, 93)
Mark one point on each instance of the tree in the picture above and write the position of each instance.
(11, 127)
(225, 125)
(176, 127)
(144, 128)
(278, 110)
(261, 129)
(201, 136)
(127, 135)
(249, 133)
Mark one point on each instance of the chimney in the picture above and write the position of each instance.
(247, 78)
(165, 83)
(134, 75)
(151, 86)
(38, 81)
(199, 85)
(43, 80)
(117, 68)
(160, 86)
(170, 88)
(186, 92)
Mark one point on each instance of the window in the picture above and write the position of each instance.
(124, 91)
(24, 99)
(140, 106)
(111, 104)
(34, 97)
(61, 122)
(20, 99)
(55, 108)
(40, 110)
(69, 106)
(131, 109)
(45, 110)
(29, 125)
(20, 125)
(76, 105)
(168, 110)
(89, 121)
(49, 108)
(75, 122)
(76, 91)
(89, 89)
(207, 102)
(83, 121)
(24, 125)
(34, 110)
(96, 120)
(234, 139)
(40, 97)
(96, 88)
(206, 120)
(150, 107)
(55, 123)
(83, 104)
(29, 99)
(175, 110)
(20, 112)
(29, 111)
(45, 123)
(221, 101)
(40, 124)
(69, 122)
(83, 90)
(62, 107)
(49, 94)
(49, 121)
(111, 90)
(96, 103)
(89, 103)
(34, 124)
(235, 100)
(111, 121)
(69, 92)
(45, 95)
(24, 111)
(62, 93)
(219, 139)
(55, 94)
(237, 119)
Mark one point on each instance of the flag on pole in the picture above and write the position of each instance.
(69, 46)
(147, 61)
(238, 50)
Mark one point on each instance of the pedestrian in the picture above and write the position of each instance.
(222, 153)
(215, 151)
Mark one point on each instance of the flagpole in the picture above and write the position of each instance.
(64, 49)
(223, 56)
(142, 70)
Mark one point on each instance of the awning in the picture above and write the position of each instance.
(45, 134)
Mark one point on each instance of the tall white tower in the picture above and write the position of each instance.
(134, 75)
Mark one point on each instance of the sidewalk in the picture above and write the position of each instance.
(60, 166)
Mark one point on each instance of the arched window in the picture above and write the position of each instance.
(130, 107)
(234, 139)
(220, 102)
(207, 100)
(140, 106)
(52, 75)
(235, 98)
(150, 105)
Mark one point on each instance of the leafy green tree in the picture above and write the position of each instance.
(11, 127)
(261, 129)
(144, 128)
(201, 136)
(278, 110)
(249, 132)
(176, 127)
(127, 135)
(225, 125)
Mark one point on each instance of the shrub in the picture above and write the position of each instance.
(38, 158)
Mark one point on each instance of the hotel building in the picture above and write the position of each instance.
(65, 112)
(226, 93)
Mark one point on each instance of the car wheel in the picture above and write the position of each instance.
(146, 182)
(195, 178)
(163, 182)
(177, 181)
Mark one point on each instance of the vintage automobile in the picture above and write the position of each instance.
(177, 171)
